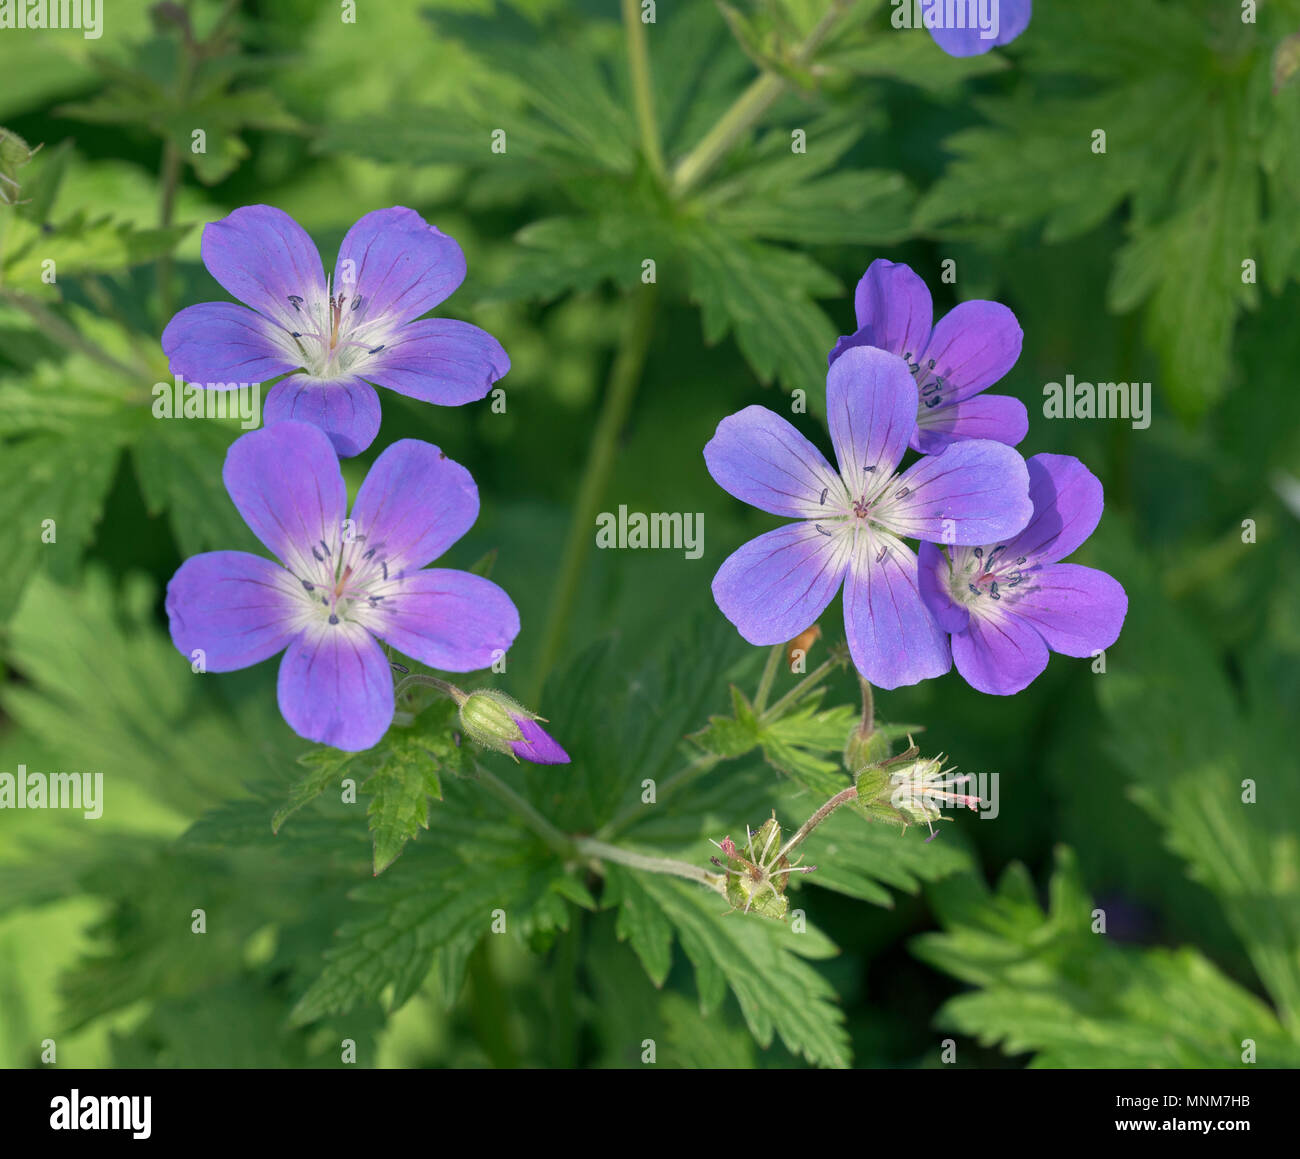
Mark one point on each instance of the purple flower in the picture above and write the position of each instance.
(341, 336)
(1007, 604)
(340, 582)
(538, 745)
(971, 348)
(1010, 19)
(852, 522)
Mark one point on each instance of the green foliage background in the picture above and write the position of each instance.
(1120, 790)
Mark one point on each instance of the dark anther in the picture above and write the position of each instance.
(295, 301)
(333, 618)
(931, 363)
(376, 350)
(979, 553)
(369, 554)
(868, 470)
(326, 546)
(823, 530)
(319, 558)
(884, 551)
(356, 303)
(402, 668)
(309, 587)
(993, 590)
(1023, 559)
(825, 491)
(973, 588)
(383, 566)
(295, 334)
(903, 493)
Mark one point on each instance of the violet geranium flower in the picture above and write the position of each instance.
(340, 584)
(973, 346)
(362, 327)
(1011, 19)
(852, 522)
(1007, 604)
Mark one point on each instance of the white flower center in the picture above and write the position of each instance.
(332, 337)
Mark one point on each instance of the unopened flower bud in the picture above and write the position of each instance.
(499, 722)
(865, 748)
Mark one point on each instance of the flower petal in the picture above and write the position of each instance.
(285, 481)
(871, 407)
(346, 409)
(220, 342)
(999, 653)
(440, 360)
(1068, 503)
(335, 687)
(973, 346)
(415, 503)
(399, 264)
(986, 416)
(538, 745)
(894, 309)
(450, 620)
(261, 255)
(934, 573)
(1077, 610)
(239, 609)
(975, 492)
(775, 586)
(758, 457)
(1014, 19)
(892, 636)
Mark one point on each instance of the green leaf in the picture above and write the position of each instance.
(640, 922)
(1049, 985)
(765, 296)
(57, 486)
(325, 767)
(399, 796)
(80, 245)
(430, 909)
(763, 964)
(1194, 755)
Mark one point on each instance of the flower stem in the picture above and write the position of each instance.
(419, 678)
(590, 847)
(638, 60)
(800, 690)
(557, 841)
(56, 328)
(748, 108)
(769, 675)
(625, 375)
(697, 767)
(840, 798)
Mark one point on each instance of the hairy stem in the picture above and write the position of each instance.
(748, 108)
(841, 798)
(769, 675)
(419, 678)
(557, 841)
(638, 60)
(697, 767)
(625, 375)
(805, 686)
(601, 851)
(56, 328)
